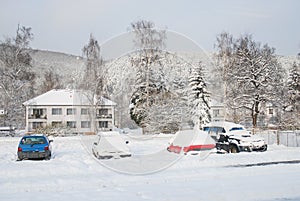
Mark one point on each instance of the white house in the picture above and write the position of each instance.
(76, 109)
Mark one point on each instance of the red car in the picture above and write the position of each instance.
(191, 140)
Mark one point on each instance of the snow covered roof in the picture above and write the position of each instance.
(67, 97)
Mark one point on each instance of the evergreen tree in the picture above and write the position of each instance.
(199, 97)
(291, 115)
(293, 85)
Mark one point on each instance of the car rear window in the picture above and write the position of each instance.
(33, 140)
(214, 129)
(236, 129)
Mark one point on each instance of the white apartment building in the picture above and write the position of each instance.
(78, 110)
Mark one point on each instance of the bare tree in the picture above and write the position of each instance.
(92, 82)
(93, 75)
(52, 80)
(252, 74)
(149, 42)
(16, 76)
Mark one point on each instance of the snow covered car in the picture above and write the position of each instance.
(234, 138)
(35, 146)
(191, 141)
(110, 145)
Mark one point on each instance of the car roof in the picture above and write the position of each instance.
(35, 135)
(224, 124)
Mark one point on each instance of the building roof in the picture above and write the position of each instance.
(67, 97)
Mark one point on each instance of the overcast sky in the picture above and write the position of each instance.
(65, 25)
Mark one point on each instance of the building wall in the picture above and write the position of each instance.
(86, 118)
(218, 113)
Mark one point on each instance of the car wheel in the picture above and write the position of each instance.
(248, 149)
(264, 148)
(233, 148)
(48, 157)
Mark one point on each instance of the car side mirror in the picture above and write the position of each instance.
(127, 142)
(95, 143)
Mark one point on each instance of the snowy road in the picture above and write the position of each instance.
(74, 174)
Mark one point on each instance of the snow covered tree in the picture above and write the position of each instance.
(253, 76)
(293, 84)
(292, 99)
(91, 83)
(199, 97)
(149, 81)
(16, 76)
(93, 74)
(52, 80)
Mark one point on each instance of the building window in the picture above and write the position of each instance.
(38, 113)
(85, 124)
(71, 124)
(71, 111)
(84, 111)
(103, 111)
(103, 124)
(271, 111)
(56, 111)
(36, 125)
(56, 123)
(216, 113)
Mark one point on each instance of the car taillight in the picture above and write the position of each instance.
(19, 149)
(46, 148)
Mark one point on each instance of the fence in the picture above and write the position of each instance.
(287, 138)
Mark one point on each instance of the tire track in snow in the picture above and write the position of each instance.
(266, 163)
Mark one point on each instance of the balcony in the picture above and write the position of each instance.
(37, 116)
(104, 116)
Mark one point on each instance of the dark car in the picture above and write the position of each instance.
(34, 147)
(234, 138)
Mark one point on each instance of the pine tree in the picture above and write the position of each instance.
(292, 99)
(293, 85)
(199, 97)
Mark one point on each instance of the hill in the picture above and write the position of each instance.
(61, 63)
(67, 65)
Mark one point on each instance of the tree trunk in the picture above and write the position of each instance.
(255, 112)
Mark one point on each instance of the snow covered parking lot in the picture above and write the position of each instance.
(74, 174)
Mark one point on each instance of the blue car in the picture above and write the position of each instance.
(34, 147)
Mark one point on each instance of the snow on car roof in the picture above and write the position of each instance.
(225, 124)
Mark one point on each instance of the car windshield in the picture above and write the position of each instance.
(33, 140)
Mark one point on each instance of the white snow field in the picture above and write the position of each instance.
(152, 173)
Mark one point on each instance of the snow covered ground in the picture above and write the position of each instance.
(73, 174)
